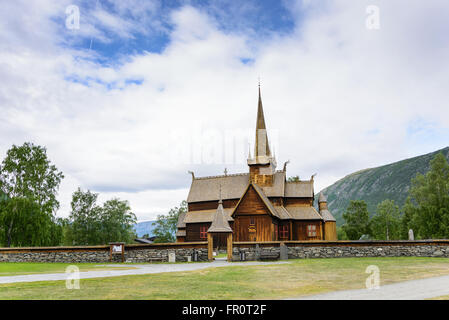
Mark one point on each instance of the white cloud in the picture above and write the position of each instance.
(341, 97)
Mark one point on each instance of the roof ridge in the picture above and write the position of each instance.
(221, 176)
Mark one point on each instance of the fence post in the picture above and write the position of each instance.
(229, 247)
(210, 240)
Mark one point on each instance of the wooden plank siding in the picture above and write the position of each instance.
(263, 231)
(252, 220)
(193, 234)
(193, 231)
(330, 231)
(251, 204)
(300, 230)
(298, 202)
(211, 205)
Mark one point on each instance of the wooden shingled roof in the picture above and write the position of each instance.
(220, 222)
(234, 185)
(181, 224)
(325, 213)
(327, 216)
(299, 189)
(304, 213)
(207, 188)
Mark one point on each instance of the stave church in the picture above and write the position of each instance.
(259, 205)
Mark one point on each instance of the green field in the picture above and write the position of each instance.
(296, 278)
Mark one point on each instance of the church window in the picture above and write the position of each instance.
(203, 232)
(311, 230)
(283, 232)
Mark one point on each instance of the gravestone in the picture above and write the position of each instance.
(410, 235)
(258, 251)
(171, 257)
(283, 252)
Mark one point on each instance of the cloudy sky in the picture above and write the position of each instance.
(139, 92)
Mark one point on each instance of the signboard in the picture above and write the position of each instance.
(117, 248)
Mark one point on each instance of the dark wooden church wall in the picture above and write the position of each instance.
(253, 215)
(251, 204)
(262, 225)
(300, 230)
(209, 205)
(193, 231)
(298, 201)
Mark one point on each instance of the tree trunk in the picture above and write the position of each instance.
(388, 237)
(9, 234)
(10, 226)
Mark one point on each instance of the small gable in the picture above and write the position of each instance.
(252, 203)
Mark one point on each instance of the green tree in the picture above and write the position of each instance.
(84, 219)
(91, 224)
(341, 234)
(408, 219)
(385, 224)
(293, 179)
(27, 172)
(429, 196)
(166, 225)
(357, 222)
(117, 222)
(29, 184)
(23, 223)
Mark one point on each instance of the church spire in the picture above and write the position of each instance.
(262, 152)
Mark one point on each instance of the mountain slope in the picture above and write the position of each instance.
(374, 185)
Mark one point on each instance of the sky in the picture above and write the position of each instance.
(128, 96)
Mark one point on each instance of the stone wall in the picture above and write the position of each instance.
(338, 249)
(147, 254)
(101, 254)
(140, 253)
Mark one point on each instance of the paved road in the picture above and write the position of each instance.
(407, 290)
(139, 269)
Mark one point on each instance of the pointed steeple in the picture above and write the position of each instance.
(262, 147)
(262, 152)
(220, 222)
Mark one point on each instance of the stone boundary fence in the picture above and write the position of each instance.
(336, 249)
(241, 251)
(137, 253)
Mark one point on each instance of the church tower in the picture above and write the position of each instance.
(263, 165)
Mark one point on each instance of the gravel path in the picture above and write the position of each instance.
(407, 290)
(139, 269)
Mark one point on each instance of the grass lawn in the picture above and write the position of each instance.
(298, 277)
(18, 268)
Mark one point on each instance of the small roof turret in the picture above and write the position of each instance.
(322, 197)
(220, 223)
